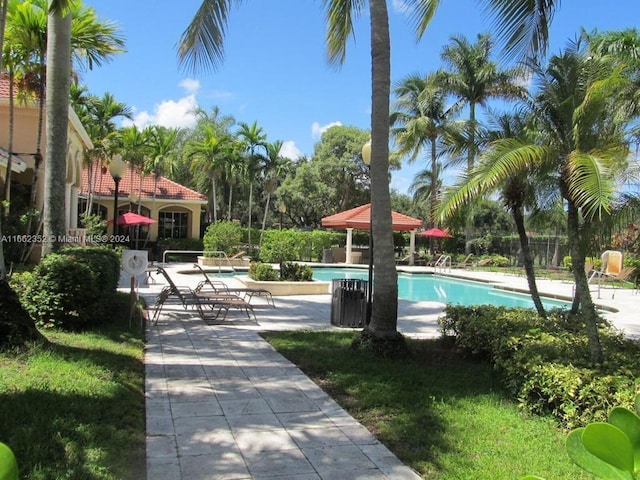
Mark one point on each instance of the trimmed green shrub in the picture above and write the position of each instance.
(263, 272)
(104, 262)
(545, 363)
(72, 289)
(222, 236)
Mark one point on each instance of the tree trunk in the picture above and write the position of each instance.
(16, 326)
(518, 218)
(384, 320)
(583, 294)
(58, 81)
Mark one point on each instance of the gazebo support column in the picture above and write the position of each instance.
(412, 247)
(349, 245)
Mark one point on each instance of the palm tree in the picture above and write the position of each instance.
(275, 166)
(580, 143)
(523, 24)
(97, 116)
(474, 79)
(515, 186)
(161, 143)
(98, 45)
(253, 138)
(208, 155)
(420, 120)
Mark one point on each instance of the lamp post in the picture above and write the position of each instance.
(117, 169)
(366, 158)
(282, 208)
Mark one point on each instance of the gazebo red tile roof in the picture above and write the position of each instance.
(360, 218)
(104, 186)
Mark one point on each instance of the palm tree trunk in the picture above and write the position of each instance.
(518, 218)
(384, 318)
(214, 196)
(434, 185)
(250, 206)
(58, 81)
(264, 218)
(583, 294)
(6, 195)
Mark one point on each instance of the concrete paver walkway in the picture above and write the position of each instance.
(221, 403)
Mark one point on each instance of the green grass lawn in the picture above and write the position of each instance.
(444, 415)
(75, 409)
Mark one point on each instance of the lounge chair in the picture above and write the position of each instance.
(219, 286)
(184, 295)
(465, 263)
(625, 275)
(216, 306)
(482, 263)
(205, 303)
(611, 265)
(237, 255)
(404, 260)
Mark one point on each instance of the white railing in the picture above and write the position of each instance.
(444, 262)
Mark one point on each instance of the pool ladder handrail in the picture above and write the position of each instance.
(442, 263)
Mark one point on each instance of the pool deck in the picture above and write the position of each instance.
(221, 403)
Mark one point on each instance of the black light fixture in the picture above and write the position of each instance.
(117, 169)
(366, 158)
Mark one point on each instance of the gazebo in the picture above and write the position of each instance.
(360, 218)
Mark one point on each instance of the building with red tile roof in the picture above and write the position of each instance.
(175, 208)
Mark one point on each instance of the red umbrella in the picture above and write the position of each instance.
(130, 219)
(436, 233)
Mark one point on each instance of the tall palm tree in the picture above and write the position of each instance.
(420, 120)
(58, 73)
(473, 79)
(522, 22)
(515, 187)
(253, 138)
(208, 155)
(275, 166)
(162, 145)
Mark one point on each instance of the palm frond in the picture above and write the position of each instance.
(201, 44)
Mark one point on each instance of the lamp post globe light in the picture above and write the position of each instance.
(366, 158)
(117, 169)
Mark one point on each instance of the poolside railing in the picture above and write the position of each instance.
(443, 263)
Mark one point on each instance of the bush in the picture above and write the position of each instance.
(71, 289)
(263, 272)
(104, 262)
(295, 272)
(545, 363)
(222, 236)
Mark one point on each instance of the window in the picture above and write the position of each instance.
(173, 225)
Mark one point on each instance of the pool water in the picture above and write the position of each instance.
(435, 288)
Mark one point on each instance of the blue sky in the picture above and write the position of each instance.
(275, 70)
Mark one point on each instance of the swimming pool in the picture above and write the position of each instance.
(436, 288)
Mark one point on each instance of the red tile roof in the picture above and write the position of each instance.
(166, 189)
(360, 218)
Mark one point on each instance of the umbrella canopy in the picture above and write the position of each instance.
(130, 219)
(435, 233)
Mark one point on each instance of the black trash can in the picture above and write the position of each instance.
(349, 302)
(327, 255)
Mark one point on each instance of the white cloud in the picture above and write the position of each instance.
(190, 85)
(289, 150)
(317, 130)
(179, 113)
